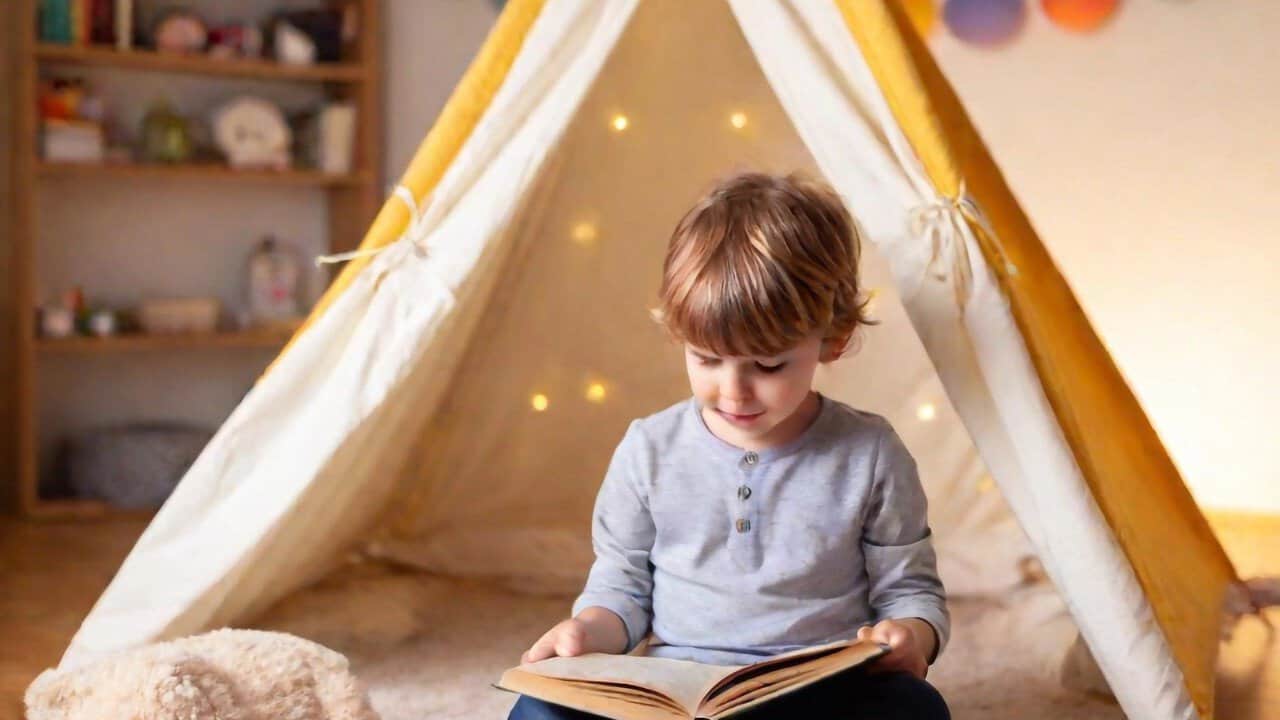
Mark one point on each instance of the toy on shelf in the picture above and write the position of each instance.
(293, 37)
(59, 320)
(303, 37)
(235, 40)
(72, 127)
(252, 133)
(273, 286)
(180, 32)
(72, 316)
(292, 46)
(103, 322)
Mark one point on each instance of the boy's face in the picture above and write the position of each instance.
(755, 402)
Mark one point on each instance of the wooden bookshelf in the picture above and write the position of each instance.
(200, 172)
(149, 61)
(351, 200)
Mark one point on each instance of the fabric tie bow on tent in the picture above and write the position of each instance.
(413, 234)
(942, 223)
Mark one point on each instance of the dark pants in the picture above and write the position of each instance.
(851, 696)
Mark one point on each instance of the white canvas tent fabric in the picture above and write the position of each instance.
(397, 425)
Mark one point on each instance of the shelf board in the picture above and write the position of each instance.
(81, 345)
(84, 509)
(199, 171)
(150, 61)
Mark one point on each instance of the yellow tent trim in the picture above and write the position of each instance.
(1175, 556)
(457, 120)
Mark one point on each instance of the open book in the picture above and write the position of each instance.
(632, 687)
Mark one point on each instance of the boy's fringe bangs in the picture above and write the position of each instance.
(736, 314)
(759, 264)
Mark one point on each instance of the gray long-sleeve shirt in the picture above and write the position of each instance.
(729, 556)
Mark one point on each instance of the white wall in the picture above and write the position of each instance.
(429, 44)
(1145, 155)
(1148, 158)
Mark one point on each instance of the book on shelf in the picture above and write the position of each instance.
(635, 687)
(86, 22)
(78, 141)
(55, 21)
(101, 21)
(124, 24)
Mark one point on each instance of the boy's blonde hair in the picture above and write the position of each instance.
(760, 263)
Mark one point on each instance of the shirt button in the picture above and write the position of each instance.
(744, 492)
(743, 525)
(750, 458)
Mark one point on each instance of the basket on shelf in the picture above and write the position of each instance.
(131, 466)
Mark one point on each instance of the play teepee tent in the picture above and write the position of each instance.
(517, 259)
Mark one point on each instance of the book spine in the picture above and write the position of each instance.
(46, 29)
(124, 24)
(55, 21)
(76, 12)
(102, 20)
(86, 21)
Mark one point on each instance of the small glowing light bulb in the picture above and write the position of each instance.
(539, 402)
(986, 484)
(738, 120)
(596, 392)
(584, 233)
(927, 412)
(620, 122)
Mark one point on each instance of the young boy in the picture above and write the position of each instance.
(760, 517)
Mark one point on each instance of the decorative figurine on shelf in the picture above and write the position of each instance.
(166, 137)
(57, 322)
(103, 322)
(181, 32)
(292, 46)
(312, 35)
(273, 286)
(65, 317)
(252, 133)
(60, 97)
(235, 40)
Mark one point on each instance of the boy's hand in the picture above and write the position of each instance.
(906, 651)
(566, 639)
(594, 630)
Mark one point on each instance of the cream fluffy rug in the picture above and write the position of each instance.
(428, 648)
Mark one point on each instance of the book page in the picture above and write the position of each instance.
(684, 682)
(630, 687)
(788, 659)
(611, 700)
(745, 692)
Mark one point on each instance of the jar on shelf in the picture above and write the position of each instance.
(273, 285)
(166, 137)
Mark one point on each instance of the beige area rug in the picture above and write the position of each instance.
(429, 647)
